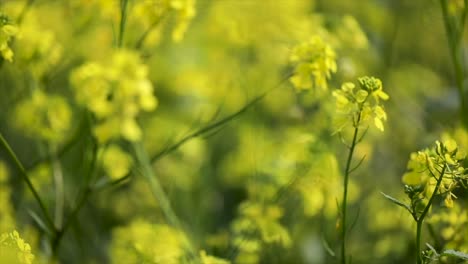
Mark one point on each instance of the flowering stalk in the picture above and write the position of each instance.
(422, 184)
(420, 220)
(355, 107)
(345, 192)
(158, 192)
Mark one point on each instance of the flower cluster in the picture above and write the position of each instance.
(315, 61)
(44, 116)
(257, 224)
(7, 32)
(13, 249)
(115, 92)
(153, 11)
(357, 105)
(143, 242)
(425, 169)
(39, 46)
(453, 225)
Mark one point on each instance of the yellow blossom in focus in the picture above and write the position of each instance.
(357, 106)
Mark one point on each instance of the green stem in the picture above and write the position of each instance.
(158, 192)
(82, 198)
(59, 192)
(420, 221)
(345, 192)
(25, 177)
(454, 38)
(123, 20)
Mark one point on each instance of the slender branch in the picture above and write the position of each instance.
(123, 21)
(345, 192)
(145, 34)
(59, 192)
(24, 11)
(453, 38)
(25, 177)
(216, 124)
(81, 200)
(420, 221)
(158, 192)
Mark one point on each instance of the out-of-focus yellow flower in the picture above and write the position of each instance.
(7, 32)
(37, 47)
(116, 162)
(143, 242)
(258, 223)
(315, 61)
(14, 250)
(47, 117)
(116, 92)
(153, 11)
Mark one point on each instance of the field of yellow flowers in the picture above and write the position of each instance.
(233, 131)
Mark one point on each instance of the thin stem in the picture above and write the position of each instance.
(219, 123)
(86, 192)
(59, 192)
(453, 38)
(123, 21)
(420, 221)
(345, 192)
(25, 177)
(145, 34)
(158, 192)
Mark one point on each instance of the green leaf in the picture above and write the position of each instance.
(454, 253)
(397, 202)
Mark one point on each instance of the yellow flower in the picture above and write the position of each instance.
(45, 116)
(14, 250)
(315, 61)
(7, 33)
(115, 92)
(359, 106)
(116, 162)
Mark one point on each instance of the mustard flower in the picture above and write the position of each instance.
(152, 11)
(356, 106)
(314, 61)
(47, 117)
(144, 242)
(7, 33)
(116, 162)
(115, 92)
(426, 166)
(14, 250)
